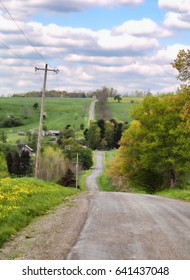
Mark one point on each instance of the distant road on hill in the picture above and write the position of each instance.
(91, 111)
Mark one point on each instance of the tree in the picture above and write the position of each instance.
(68, 180)
(104, 134)
(36, 105)
(25, 164)
(52, 164)
(182, 64)
(118, 98)
(3, 137)
(155, 149)
(93, 136)
(71, 148)
(3, 166)
(66, 133)
(32, 140)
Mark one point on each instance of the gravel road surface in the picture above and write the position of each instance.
(91, 111)
(132, 226)
(98, 225)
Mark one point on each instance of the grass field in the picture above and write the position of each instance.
(60, 112)
(121, 111)
(23, 199)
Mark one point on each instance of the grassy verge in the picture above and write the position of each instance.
(23, 199)
(82, 179)
(183, 194)
(103, 181)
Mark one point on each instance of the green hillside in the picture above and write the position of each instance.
(59, 113)
(121, 111)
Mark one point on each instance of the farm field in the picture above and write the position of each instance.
(25, 198)
(121, 111)
(60, 112)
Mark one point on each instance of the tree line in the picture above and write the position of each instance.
(154, 151)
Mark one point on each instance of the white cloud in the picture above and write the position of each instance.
(144, 27)
(178, 16)
(178, 21)
(127, 57)
(30, 7)
(180, 6)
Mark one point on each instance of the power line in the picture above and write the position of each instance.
(26, 37)
(41, 116)
(18, 56)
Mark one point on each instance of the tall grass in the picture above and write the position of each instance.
(23, 199)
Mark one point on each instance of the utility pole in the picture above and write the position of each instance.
(77, 169)
(41, 116)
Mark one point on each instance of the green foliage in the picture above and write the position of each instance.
(59, 112)
(36, 105)
(3, 166)
(11, 121)
(118, 98)
(23, 199)
(182, 64)
(103, 134)
(68, 180)
(52, 164)
(3, 137)
(155, 150)
(175, 193)
(70, 150)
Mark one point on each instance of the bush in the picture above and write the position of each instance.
(11, 121)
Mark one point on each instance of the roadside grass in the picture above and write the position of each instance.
(82, 179)
(60, 112)
(104, 183)
(23, 199)
(183, 194)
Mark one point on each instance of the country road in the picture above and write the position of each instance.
(106, 226)
(91, 112)
(132, 226)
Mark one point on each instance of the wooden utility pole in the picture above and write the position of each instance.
(77, 169)
(41, 117)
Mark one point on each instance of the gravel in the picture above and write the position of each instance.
(51, 236)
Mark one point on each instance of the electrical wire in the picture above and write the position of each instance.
(28, 40)
(18, 56)
(26, 37)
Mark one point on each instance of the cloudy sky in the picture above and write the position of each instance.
(125, 44)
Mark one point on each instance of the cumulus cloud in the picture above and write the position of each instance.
(127, 57)
(144, 27)
(178, 16)
(180, 6)
(30, 7)
(178, 21)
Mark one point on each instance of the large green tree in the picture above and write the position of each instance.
(155, 150)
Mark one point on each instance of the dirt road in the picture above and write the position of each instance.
(132, 226)
(91, 112)
(98, 225)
